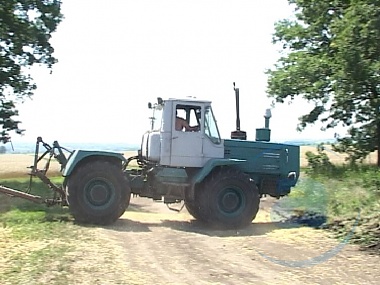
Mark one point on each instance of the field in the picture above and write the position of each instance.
(14, 165)
(335, 158)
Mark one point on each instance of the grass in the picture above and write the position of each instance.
(42, 245)
(35, 252)
(348, 198)
(36, 242)
(37, 188)
(355, 197)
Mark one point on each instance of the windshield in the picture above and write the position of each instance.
(156, 118)
(211, 128)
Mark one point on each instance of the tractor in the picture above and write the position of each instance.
(219, 181)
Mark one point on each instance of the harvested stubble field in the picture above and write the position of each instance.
(14, 165)
(335, 157)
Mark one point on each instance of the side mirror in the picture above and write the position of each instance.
(150, 105)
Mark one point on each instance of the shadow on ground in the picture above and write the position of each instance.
(197, 227)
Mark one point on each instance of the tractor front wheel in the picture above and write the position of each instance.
(97, 193)
(194, 210)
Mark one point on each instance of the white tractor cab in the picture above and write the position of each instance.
(167, 146)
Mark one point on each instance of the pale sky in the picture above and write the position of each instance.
(117, 55)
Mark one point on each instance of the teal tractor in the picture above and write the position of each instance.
(220, 181)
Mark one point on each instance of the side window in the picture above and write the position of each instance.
(181, 113)
(193, 117)
(187, 118)
(211, 128)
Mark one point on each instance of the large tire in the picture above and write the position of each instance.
(97, 193)
(232, 197)
(194, 210)
(198, 207)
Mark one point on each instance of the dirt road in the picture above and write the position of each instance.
(153, 245)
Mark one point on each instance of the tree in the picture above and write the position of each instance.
(25, 30)
(332, 59)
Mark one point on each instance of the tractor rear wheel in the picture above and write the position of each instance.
(233, 198)
(97, 193)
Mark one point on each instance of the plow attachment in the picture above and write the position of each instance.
(56, 152)
(20, 194)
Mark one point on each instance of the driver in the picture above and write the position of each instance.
(181, 124)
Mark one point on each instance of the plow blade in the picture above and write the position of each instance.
(20, 194)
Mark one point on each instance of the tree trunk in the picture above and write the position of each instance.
(378, 143)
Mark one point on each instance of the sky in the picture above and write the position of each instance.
(115, 56)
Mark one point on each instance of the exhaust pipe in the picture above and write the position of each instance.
(238, 134)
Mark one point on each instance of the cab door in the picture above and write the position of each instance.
(186, 146)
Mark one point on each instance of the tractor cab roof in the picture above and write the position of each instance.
(190, 101)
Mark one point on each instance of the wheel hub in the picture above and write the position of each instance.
(98, 193)
(231, 201)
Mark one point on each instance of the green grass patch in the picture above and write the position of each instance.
(349, 195)
(309, 195)
(35, 240)
(23, 215)
(37, 187)
(37, 252)
(26, 217)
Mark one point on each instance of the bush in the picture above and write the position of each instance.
(370, 179)
(319, 163)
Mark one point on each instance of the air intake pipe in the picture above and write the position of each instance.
(263, 134)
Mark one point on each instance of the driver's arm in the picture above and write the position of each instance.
(183, 124)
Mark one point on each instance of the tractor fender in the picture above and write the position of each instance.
(209, 167)
(211, 164)
(80, 156)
